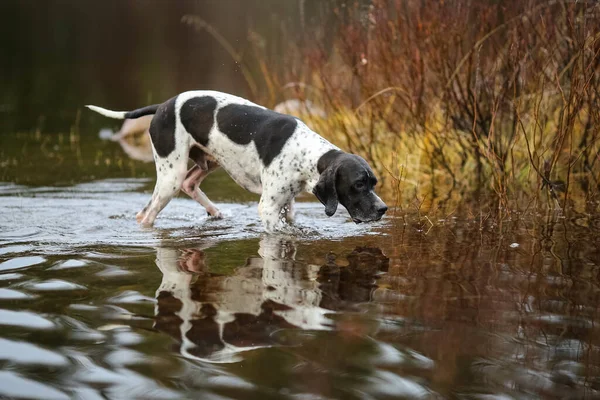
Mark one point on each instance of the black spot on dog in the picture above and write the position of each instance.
(198, 116)
(268, 129)
(140, 112)
(162, 128)
(171, 165)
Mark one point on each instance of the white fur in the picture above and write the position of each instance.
(108, 113)
(291, 172)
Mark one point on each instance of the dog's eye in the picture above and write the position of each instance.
(359, 186)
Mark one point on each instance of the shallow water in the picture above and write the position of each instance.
(92, 305)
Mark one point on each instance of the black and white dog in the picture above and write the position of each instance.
(271, 154)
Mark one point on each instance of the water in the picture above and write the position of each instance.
(455, 305)
(92, 305)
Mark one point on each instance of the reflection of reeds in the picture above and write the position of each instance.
(514, 300)
(451, 99)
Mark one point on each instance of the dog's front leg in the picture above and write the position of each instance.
(290, 213)
(271, 209)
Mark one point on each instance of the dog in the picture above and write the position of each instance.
(268, 153)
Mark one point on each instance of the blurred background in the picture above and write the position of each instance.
(58, 55)
(447, 100)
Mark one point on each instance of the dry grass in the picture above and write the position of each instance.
(456, 99)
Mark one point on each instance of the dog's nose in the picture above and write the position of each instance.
(381, 210)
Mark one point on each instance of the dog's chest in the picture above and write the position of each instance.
(246, 179)
(241, 162)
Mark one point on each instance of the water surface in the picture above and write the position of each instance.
(92, 305)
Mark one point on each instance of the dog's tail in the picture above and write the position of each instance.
(140, 112)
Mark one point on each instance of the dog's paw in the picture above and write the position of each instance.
(139, 217)
(214, 213)
(146, 221)
(146, 224)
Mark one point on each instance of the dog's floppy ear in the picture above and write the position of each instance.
(326, 192)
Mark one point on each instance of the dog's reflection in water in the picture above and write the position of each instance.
(133, 137)
(216, 317)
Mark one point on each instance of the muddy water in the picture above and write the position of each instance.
(93, 306)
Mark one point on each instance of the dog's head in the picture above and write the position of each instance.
(348, 179)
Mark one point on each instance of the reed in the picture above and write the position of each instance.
(455, 99)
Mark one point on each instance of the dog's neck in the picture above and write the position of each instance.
(319, 165)
(326, 159)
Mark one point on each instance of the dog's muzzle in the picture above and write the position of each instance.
(379, 213)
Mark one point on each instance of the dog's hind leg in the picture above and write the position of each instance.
(170, 145)
(191, 186)
(170, 174)
(212, 210)
(169, 178)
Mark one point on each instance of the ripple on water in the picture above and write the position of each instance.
(388, 384)
(14, 249)
(127, 338)
(68, 264)
(25, 319)
(11, 294)
(18, 232)
(110, 185)
(124, 357)
(21, 262)
(27, 353)
(80, 331)
(83, 307)
(11, 277)
(112, 272)
(53, 285)
(122, 382)
(131, 297)
(122, 334)
(13, 385)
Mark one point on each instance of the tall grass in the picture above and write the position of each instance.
(453, 99)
